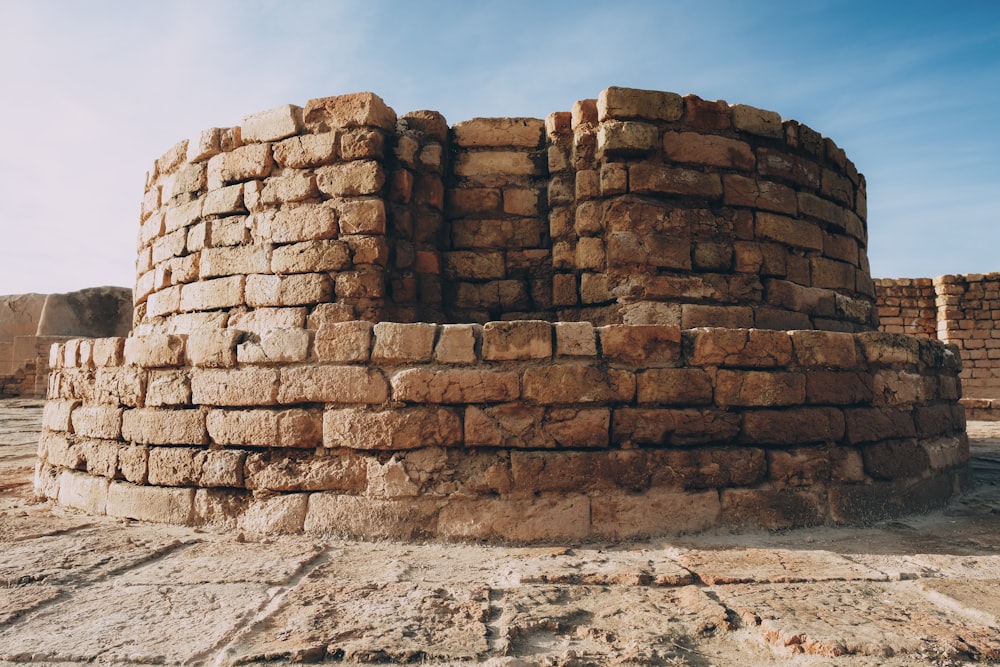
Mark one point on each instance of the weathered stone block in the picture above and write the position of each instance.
(697, 148)
(645, 178)
(773, 509)
(674, 386)
(213, 348)
(152, 426)
(625, 138)
(101, 421)
(296, 222)
(344, 342)
(401, 428)
(757, 121)
(150, 503)
(168, 388)
(332, 384)
(272, 125)
(499, 132)
(212, 294)
(362, 216)
(435, 385)
(577, 384)
(84, 492)
(789, 427)
(237, 386)
(824, 349)
(395, 342)
(288, 290)
(743, 348)
(759, 389)
(232, 260)
(504, 341)
(56, 415)
(456, 344)
(658, 511)
(350, 179)
(154, 351)
(353, 110)
(624, 103)
(343, 472)
(276, 346)
(308, 150)
(533, 520)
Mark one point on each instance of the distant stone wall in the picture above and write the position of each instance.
(31, 323)
(522, 431)
(907, 306)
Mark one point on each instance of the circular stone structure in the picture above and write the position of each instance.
(650, 315)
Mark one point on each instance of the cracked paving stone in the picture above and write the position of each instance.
(86, 554)
(370, 622)
(967, 567)
(638, 567)
(269, 562)
(736, 566)
(974, 597)
(634, 623)
(146, 624)
(837, 618)
(15, 601)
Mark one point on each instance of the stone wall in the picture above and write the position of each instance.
(640, 207)
(514, 430)
(31, 323)
(961, 310)
(650, 314)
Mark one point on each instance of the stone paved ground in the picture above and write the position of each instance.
(77, 589)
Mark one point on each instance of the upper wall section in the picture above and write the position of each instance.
(639, 207)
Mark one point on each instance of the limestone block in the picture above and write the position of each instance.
(155, 350)
(625, 138)
(262, 320)
(368, 250)
(641, 345)
(353, 110)
(56, 415)
(332, 384)
(745, 348)
(499, 132)
(575, 339)
(674, 386)
(229, 231)
(212, 294)
(184, 466)
(168, 389)
(789, 427)
(772, 509)
(946, 453)
(56, 449)
(169, 245)
(339, 514)
(154, 426)
(658, 511)
(164, 302)
(181, 215)
(296, 222)
(524, 233)
(838, 388)
(214, 348)
(240, 164)
(276, 346)
(272, 125)
(237, 386)
(541, 519)
(759, 389)
(711, 149)
(361, 216)
(757, 121)
(265, 428)
(132, 463)
(469, 201)
(228, 261)
(504, 341)
(212, 142)
(344, 342)
(292, 187)
(824, 349)
(885, 349)
(522, 201)
(395, 342)
(866, 424)
(759, 194)
(150, 503)
(577, 384)
(432, 385)
(817, 207)
(474, 164)
(646, 178)
(224, 201)
(361, 144)
(349, 179)
(837, 187)
(308, 150)
(456, 344)
(625, 103)
(394, 429)
(310, 256)
(779, 163)
(101, 456)
(475, 265)
(120, 386)
(288, 290)
(100, 421)
(343, 472)
(84, 492)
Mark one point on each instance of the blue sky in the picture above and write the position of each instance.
(92, 92)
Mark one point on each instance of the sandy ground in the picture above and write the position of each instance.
(78, 589)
